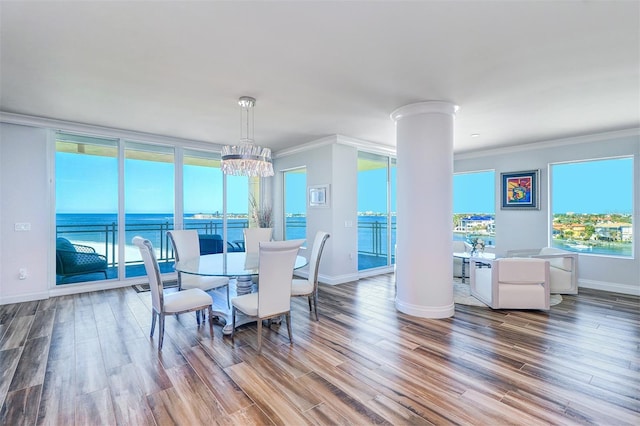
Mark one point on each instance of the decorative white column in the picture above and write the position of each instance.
(424, 263)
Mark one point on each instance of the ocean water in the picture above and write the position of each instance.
(100, 231)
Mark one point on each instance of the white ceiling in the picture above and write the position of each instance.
(520, 71)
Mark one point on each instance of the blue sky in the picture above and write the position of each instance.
(603, 186)
(474, 192)
(600, 187)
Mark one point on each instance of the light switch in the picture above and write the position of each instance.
(23, 226)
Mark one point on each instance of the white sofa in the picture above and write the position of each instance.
(563, 267)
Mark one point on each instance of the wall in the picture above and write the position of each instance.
(327, 162)
(529, 228)
(25, 199)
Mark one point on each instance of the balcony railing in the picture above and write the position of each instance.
(372, 238)
(103, 237)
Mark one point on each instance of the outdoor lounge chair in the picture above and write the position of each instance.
(76, 259)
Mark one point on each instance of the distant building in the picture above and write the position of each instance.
(611, 231)
(475, 223)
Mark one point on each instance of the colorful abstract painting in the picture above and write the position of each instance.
(519, 190)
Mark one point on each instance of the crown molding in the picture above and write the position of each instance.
(326, 140)
(368, 146)
(340, 140)
(551, 143)
(90, 129)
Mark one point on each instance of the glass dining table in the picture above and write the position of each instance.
(239, 265)
(466, 256)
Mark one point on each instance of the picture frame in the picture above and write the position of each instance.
(319, 196)
(520, 190)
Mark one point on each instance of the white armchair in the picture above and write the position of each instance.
(511, 283)
(460, 247)
(563, 267)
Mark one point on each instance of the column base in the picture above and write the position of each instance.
(435, 312)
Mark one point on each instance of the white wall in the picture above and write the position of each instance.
(530, 228)
(25, 193)
(327, 163)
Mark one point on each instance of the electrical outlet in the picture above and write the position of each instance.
(23, 226)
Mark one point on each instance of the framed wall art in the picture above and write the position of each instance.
(520, 190)
(319, 196)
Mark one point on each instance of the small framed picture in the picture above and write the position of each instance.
(319, 196)
(520, 190)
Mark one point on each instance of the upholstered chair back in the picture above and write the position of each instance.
(277, 259)
(153, 271)
(254, 236)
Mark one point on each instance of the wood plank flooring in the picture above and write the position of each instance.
(87, 359)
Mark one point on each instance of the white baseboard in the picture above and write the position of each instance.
(607, 286)
(67, 289)
(329, 280)
(376, 271)
(29, 297)
(337, 279)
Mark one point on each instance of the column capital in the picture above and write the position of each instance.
(427, 107)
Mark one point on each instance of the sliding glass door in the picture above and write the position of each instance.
(148, 203)
(109, 190)
(86, 185)
(295, 204)
(376, 210)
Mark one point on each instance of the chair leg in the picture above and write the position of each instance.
(288, 318)
(228, 304)
(315, 305)
(210, 320)
(259, 334)
(233, 323)
(161, 338)
(309, 299)
(153, 322)
(198, 317)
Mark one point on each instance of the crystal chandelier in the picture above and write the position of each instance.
(246, 158)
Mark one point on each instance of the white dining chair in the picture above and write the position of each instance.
(186, 245)
(254, 236)
(309, 287)
(273, 298)
(176, 303)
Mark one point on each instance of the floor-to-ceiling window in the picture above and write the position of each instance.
(295, 204)
(392, 199)
(237, 206)
(109, 190)
(148, 202)
(203, 197)
(474, 209)
(376, 217)
(86, 188)
(592, 206)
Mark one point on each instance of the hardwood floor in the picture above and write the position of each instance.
(87, 359)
